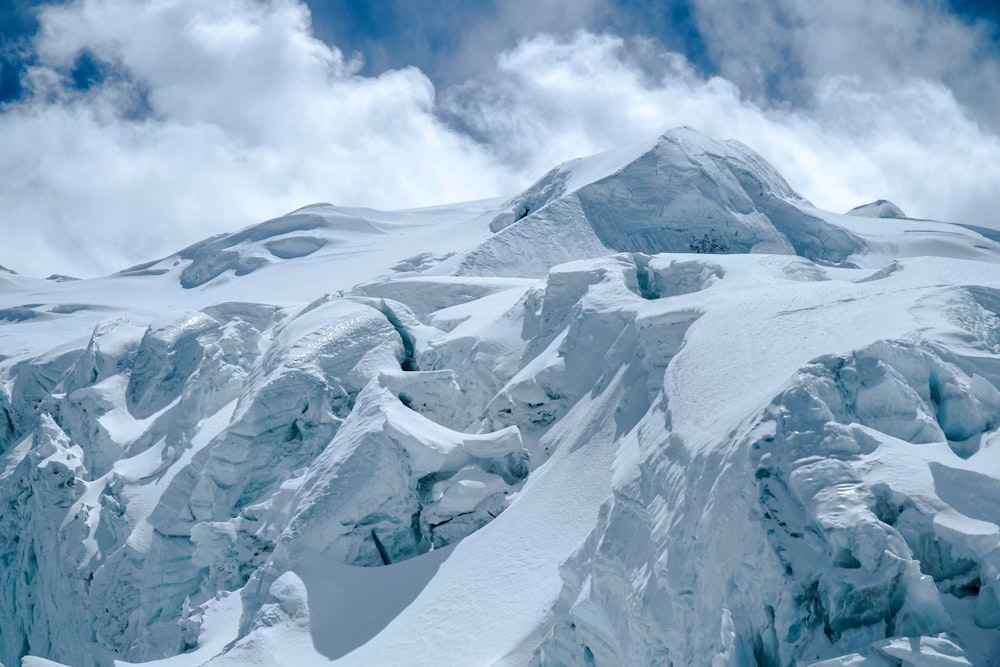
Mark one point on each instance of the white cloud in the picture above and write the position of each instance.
(791, 44)
(855, 141)
(250, 116)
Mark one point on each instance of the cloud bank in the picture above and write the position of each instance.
(205, 117)
(211, 116)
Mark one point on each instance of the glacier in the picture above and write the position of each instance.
(656, 409)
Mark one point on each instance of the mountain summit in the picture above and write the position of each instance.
(685, 193)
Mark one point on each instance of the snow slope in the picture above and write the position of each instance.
(657, 409)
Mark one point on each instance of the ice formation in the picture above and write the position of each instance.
(657, 409)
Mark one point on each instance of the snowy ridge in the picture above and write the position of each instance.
(655, 410)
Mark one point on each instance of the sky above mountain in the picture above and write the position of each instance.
(128, 130)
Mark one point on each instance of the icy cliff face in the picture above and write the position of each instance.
(655, 410)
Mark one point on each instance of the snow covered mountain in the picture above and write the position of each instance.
(657, 409)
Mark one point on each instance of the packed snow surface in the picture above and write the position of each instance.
(657, 409)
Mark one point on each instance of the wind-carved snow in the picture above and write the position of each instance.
(657, 409)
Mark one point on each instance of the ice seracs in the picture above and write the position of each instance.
(657, 409)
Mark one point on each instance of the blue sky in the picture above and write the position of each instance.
(397, 33)
(455, 40)
(127, 129)
(435, 37)
(431, 36)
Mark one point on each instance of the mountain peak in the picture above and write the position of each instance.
(685, 192)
